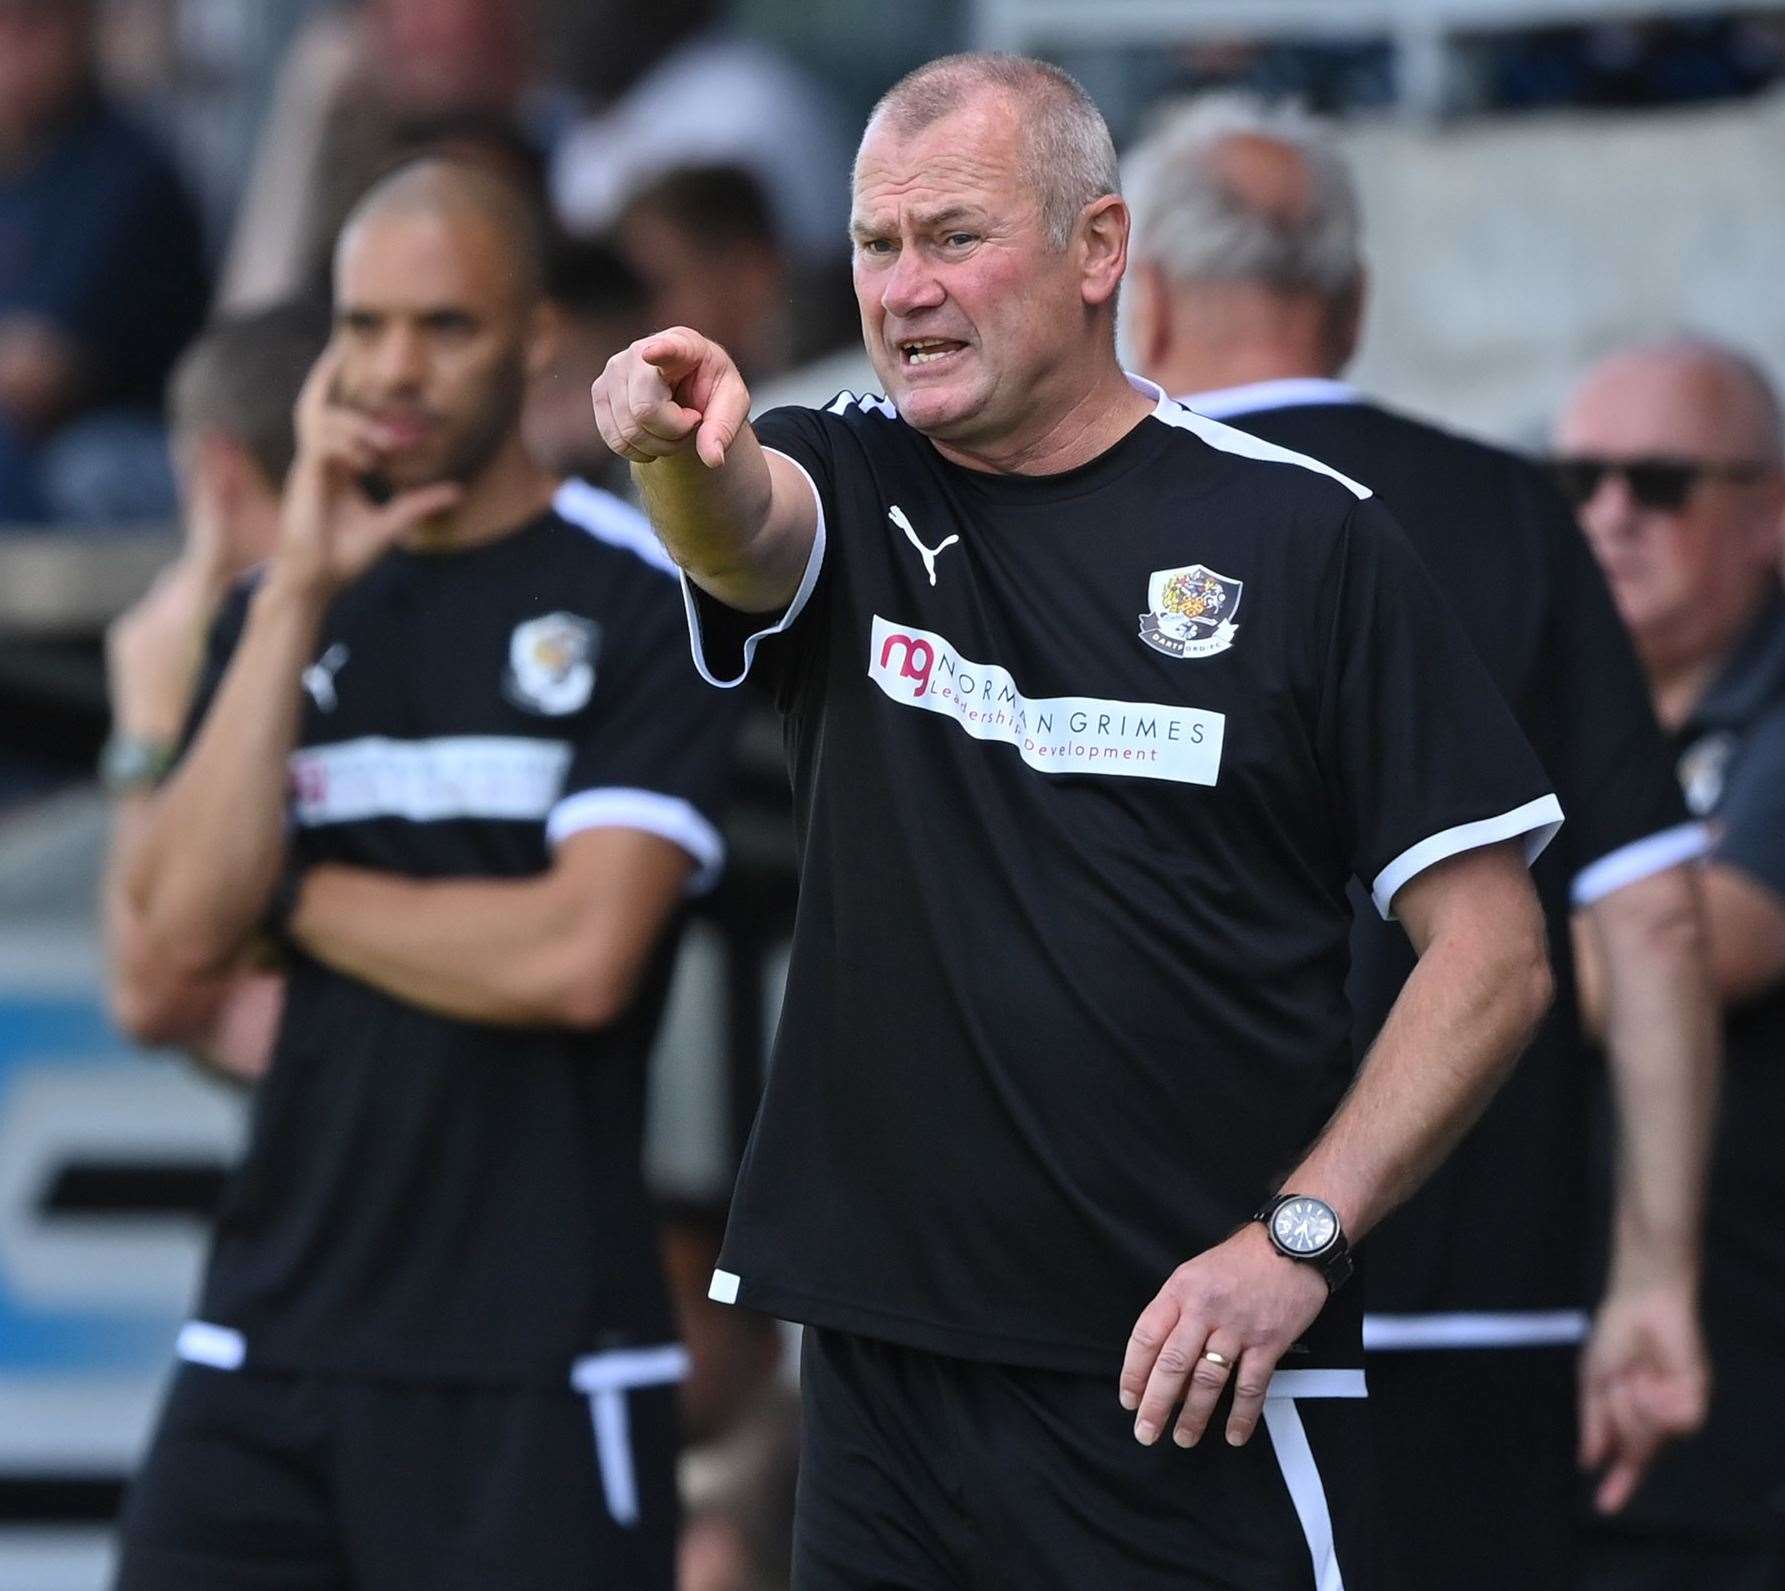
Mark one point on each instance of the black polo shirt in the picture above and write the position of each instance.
(1494, 1249)
(1082, 766)
(430, 1198)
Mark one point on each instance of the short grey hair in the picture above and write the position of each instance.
(1068, 160)
(1190, 221)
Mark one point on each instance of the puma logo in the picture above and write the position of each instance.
(319, 678)
(928, 554)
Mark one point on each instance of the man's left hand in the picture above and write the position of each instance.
(1644, 1380)
(1242, 1301)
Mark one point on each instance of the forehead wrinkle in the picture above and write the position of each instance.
(925, 219)
(945, 155)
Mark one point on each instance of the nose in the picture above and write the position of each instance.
(912, 285)
(396, 361)
(1612, 513)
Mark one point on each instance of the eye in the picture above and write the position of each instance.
(879, 247)
(450, 324)
(960, 240)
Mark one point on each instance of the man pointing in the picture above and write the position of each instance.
(1058, 1124)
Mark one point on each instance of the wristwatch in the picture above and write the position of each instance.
(1304, 1228)
(131, 762)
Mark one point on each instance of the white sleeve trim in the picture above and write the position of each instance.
(1632, 863)
(814, 562)
(1537, 820)
(1531, 1328)
(668, 817)
(220, 1347)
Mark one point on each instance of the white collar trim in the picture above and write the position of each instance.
(1162, 399)
(1291, 392)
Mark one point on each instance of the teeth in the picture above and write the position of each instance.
(926, 353)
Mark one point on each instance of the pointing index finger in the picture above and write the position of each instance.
(677, 349)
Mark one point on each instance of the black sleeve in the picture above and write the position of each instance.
(1750, 822)
(1424, 759)
(730, 646)
(656, 746)
(1613, 771)
(220, 646)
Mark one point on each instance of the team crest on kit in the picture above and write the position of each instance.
(1192, 613)
(551, 663)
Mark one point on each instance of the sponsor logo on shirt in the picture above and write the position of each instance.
(319, 678)
(1056, 734)
(551, 663)
(928, 554)
(1192, 613)
(457, 776)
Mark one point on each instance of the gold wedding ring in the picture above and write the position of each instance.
(1216, 1358)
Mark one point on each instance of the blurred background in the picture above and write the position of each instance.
(1542, 179)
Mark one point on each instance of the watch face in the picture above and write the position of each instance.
(1305, 1226)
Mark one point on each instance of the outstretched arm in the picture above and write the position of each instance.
(740, 520)
(1479, 989)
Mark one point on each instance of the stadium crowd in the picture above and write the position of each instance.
(414, 790)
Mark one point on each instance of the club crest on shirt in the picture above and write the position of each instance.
(1192, 613)
(1704, 770)
(551, 663)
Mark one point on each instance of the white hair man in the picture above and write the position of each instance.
(1093, 706)
(1247, 301)
(1672, 452)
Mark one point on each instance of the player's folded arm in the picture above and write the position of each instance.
(566, 947)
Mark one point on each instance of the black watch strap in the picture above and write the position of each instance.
(1334, 1262)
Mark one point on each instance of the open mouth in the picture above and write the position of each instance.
(919, 351)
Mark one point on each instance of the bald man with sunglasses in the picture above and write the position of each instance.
(1673, 455)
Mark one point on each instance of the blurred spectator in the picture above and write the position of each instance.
(673, 89)
(703, 241)
(1673, 453)
(599, 306)
(364, 87)
(101, 280)
(229, 405)
(1246, 299)
(1636, 64)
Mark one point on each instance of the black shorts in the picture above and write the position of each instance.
(1475, 1453)
(306, 1483)
(927, 1473)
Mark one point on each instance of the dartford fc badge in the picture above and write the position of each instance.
(551, 663)
(1192, 612)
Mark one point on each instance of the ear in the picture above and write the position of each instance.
(1103, 249)
(545, 333)
(1769, 520)
(219, 469)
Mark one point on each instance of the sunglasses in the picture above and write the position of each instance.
(1653, 482)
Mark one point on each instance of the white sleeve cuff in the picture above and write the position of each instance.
(1536, 820)
(1632, 863)
(668, 817)
(814, 562)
